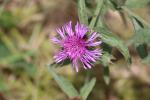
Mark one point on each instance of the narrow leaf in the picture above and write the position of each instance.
(147, 60)
(3, 85)
(137, 17)
(63, 83)
(142, 36)
(82, 12)
(114, 41)
(15, 57)
(136, 23)
(106, 59)
(106, 75)
(96, 14)
(87, 88)
(136, 3)
(117, 3)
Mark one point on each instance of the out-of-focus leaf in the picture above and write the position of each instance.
(142, 50)
(139, 36)
(106, 59)
(16, 35)
(117, 3)
(63, 83)
(14, 57)
(7, 20)
(137, 24)
(114, 41)
(3, 85)
(8, 42)
(20, 67)
(87, 88)
(17, 63)
(65, 62)
(136, 3)
(106, 48)
(135, 16)
(106, 75)
(142, 36)
(3, 50)
(82, 12)
(147, 60)
(96, 14)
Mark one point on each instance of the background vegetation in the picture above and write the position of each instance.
(26, 50)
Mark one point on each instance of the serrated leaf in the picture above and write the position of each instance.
(87, 88)
(63, 83)
(136, 3)
(82, 12)
(114, 41)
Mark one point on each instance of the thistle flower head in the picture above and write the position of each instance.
(76, 45)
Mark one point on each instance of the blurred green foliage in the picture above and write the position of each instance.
(25, 50)
(7, 20)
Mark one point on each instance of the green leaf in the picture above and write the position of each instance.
(106, 59)
(3, 50)
(147, 60)
(136, 3)
(117, 3)
(136, 23)
(142, 50)
(82, 12)
(134, 15)
(106, 75)
(96, 14)
(142, 36)
(15, 57)
(7, 20)
(87, 88)
(8, 42)
(63, 83)
(22, 66)
(114, 41)
(3, 85)
(139, 38)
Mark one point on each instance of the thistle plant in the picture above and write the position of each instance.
(77, 45)
(90, 41)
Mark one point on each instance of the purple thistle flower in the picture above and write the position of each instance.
(76, 47)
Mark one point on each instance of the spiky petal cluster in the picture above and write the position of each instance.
(76, 45)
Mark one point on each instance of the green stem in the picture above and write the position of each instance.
(96, 14)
